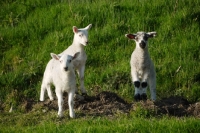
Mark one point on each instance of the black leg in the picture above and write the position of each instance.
(144, 84)
(143, 96)
(137, 84)
(137, 97)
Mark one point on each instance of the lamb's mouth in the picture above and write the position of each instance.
(142, 44)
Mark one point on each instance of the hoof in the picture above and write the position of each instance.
(137, 97)
(60, 115)
(41, 100)
(51, 99)
(78, 97)
(143, 96)
(72, 115)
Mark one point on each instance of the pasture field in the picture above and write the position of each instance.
(31, 29)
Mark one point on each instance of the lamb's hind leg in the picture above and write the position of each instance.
(81, 76)
(42, 92)
(49, 92)
(152, 86)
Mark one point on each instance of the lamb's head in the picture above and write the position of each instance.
(65, 60)
(141, 38)
(81, 35)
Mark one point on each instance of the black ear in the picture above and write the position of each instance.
(130, 36)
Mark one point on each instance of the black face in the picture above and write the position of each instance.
(142, 44)
(142, 38)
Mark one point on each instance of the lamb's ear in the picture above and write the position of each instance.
(130, 36)
(75, 29)
(88, 27)
(76, 55)
(152, 34)
(55, 56)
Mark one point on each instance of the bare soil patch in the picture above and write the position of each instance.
(108, 103)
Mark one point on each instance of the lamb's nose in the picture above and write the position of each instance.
(86, 42)
(142, 44)
(66, 68)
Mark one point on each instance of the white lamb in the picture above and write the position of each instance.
(60, 72)
(142, 67)
(80, 40)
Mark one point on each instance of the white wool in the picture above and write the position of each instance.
(60, 72)
(142, 67)
(80, 40)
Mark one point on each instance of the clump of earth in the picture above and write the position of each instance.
(108, 103)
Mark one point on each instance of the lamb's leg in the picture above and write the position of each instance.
(81, 76)
(49, 92)
(136, 83)
(42, 92)
(152, 86)
(71, 104)
(59, 95)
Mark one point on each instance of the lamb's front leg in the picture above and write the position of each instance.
(136, 83)
(59, 95)
(81, 76)
(144, 86)
(71, 103)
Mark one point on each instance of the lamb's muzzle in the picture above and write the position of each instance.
(142, 44)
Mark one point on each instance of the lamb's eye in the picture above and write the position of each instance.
(136, 38)
(61, 61)
(80, 35)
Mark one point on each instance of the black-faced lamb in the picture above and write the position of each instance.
(142, 68)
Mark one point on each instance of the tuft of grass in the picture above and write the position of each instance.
(47, 122)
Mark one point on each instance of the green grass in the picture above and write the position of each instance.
(31, 29)
(37, 122)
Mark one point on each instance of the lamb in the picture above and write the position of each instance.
(142, 68)
(60, 72)
(80, 40)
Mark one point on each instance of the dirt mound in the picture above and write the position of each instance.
(104, 103)
(172, 106)
(109, 103)
(176, 106)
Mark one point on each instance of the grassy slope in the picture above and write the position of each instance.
(31, 29)
(47, 123)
